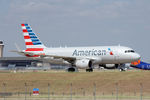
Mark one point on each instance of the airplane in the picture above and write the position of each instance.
(140, 65)
(77, 57)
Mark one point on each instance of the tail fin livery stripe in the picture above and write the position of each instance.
(34, 40)
(24, 30)
(29, 30)
(31, 33)
(26, 37)
(34, 46)
(32, 36)
(26, 24)
(33, 43)
(36, 43)
(31, 40)
(26, 34)
(34, 49)
(23, 27)
(28, 40)
(29, 43)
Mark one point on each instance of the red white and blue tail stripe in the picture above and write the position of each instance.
(31, 40)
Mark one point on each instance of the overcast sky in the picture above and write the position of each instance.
(78, 23)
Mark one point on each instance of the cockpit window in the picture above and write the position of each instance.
(132, 51)
(129, 51)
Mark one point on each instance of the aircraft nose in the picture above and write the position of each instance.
(137, 56)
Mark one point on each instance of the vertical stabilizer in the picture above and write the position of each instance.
(32, 42)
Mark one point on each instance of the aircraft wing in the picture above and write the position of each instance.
(69, 59)
(66, 58)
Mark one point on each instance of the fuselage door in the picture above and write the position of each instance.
(117, 56)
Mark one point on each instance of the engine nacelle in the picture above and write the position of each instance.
(83, 63)
(110, 66)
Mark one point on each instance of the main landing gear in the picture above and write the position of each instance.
(89, 70)
(122, 67)
(121, 70)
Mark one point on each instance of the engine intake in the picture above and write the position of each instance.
(83, 63)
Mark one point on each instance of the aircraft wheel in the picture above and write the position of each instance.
(89, 70)
(121, 70)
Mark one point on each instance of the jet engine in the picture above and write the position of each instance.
(83, 63)
(110, 66)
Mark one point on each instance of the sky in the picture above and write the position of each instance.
(78, 23)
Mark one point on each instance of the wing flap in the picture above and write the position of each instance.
(69, 59)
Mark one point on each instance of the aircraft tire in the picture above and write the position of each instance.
(121, 70)
(89, 70)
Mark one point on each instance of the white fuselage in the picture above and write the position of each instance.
(101, 54)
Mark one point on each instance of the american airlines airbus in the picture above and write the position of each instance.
(78, 57)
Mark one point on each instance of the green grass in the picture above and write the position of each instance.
(128, 82)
